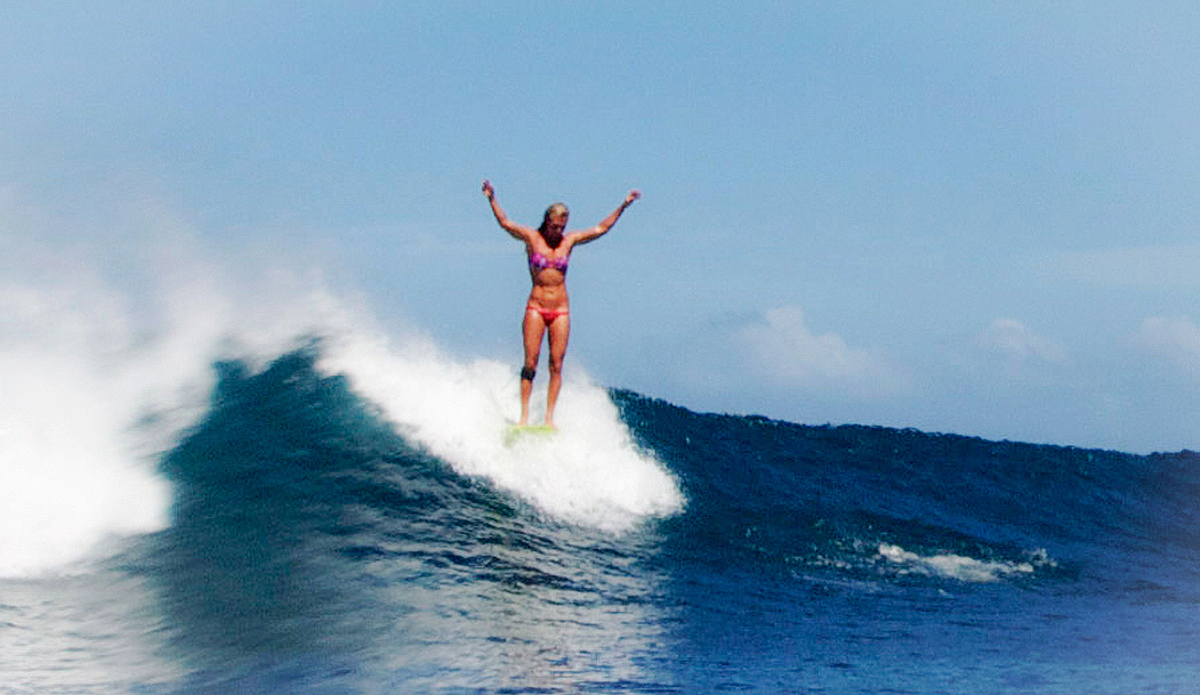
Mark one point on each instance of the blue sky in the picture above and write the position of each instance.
(975, 218)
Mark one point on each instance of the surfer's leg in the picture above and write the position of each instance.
(560, 330)
(533, 328)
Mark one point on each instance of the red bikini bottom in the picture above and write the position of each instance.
(548, 315)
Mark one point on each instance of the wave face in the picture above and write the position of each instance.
(348, 519)
(309, 520)
(872, 502)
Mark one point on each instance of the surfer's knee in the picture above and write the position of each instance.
(556, 364)
(527, 373)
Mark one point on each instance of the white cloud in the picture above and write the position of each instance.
(1019, 346)
(1176, 340)
(781, 348)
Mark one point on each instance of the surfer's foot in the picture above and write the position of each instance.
(550, 424)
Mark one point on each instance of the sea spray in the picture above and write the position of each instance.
(106, 357)
(68, 477)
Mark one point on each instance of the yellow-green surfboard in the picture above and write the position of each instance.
(515, 433)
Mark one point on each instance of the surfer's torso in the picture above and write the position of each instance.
(548, 271)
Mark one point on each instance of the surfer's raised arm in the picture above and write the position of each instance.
(586, 235)
(519, 231)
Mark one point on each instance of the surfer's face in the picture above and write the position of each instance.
(555, 224)
(552, 231)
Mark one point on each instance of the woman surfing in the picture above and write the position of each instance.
(548, 249)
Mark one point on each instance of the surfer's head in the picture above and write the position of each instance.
(554, 222)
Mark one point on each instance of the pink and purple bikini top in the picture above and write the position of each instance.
(539, 261)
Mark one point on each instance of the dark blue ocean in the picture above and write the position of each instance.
(333, 527)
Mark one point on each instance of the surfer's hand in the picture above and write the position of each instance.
(633, 195)
(488, 190)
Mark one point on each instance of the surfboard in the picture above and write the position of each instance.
(512, 433)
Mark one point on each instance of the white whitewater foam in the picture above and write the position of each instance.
(99, 381)
(957, 567)
(68, 474)
(589, 473)
(106, 354)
